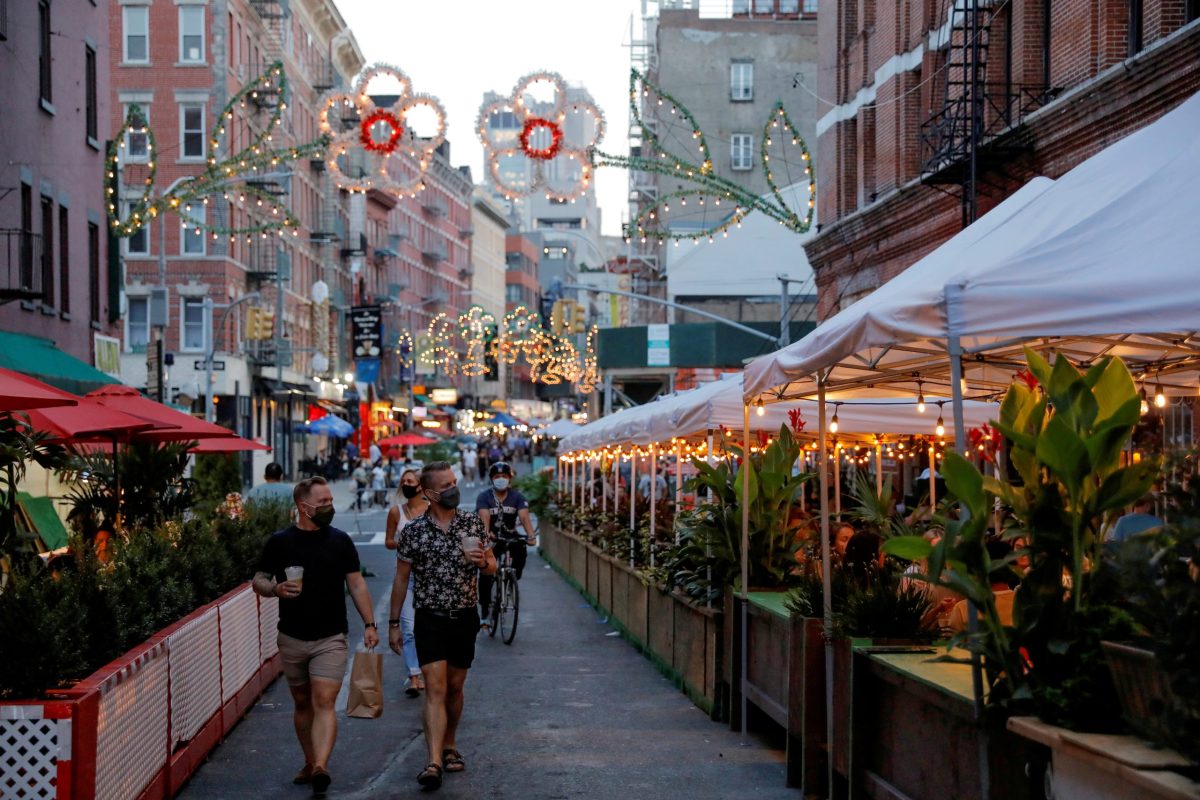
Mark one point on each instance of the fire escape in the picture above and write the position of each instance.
(966, 140)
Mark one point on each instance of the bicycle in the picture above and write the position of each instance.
(506, 597)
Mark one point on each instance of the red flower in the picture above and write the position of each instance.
(1028, 377)
(762, 438)
(546, 153)
(370, 142)
(986, 440)
(796, 417)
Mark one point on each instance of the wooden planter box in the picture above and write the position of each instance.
(914, 733)
(1093, 766)
(681, 639)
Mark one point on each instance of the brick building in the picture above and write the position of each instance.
(522, 255)
(900, 83)
(55, 278)
(181, 62)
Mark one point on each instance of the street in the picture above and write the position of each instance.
(568, 710)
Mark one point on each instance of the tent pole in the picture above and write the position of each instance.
(603, 486)
(708, 459)
(932, 479)
(632, 502)
(746, 466)
(653, 500)
(678, 485)
(878, 467)
(953, 295)
(616, 471)
(837, 481)
(826, 580)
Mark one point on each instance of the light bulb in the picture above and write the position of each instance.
(759, 409)
(1145, 405)
(1160, 399)
(833, 423)
(940, 430)
(920, 399)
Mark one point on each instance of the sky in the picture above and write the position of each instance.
(458, 50)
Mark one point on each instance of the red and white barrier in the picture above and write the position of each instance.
(140, 726)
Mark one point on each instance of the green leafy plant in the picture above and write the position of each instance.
(1065, 444)
(152, 485)
(216, 475)
(717, 526)
(539, 489)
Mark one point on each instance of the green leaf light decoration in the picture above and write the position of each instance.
(231, 177)
(704, 185)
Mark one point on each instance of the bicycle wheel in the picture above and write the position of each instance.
(512, 607)
(494, 611)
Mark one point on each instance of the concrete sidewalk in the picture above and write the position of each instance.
(569, 710)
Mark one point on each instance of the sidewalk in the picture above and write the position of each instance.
(569, 710)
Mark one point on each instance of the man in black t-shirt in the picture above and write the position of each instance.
(501, 507)
(312, 618)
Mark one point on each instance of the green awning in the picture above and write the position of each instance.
(45, 520)
(40, 358)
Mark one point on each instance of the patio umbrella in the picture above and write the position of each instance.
(405, 440)
(228, 444)
(500, 418)
(19, 392)
(329, 425)
(88, 421)
(175, 425)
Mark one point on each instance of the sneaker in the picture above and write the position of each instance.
(484, 626)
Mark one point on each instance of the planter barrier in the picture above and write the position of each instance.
(682, 640)
(141, 725)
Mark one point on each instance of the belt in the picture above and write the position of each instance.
(448, 613)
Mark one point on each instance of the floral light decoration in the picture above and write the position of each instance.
(544, 149)
(442, 351)
(474, 326)
(725, 202)
(239, 179)
(378, 148)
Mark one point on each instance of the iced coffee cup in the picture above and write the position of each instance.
(469, 545)
(296, 576)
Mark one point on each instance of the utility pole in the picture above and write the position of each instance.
(785, 304)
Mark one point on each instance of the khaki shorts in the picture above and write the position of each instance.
(321, 658)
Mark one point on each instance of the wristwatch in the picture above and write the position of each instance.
(370, 625)
(393, 623)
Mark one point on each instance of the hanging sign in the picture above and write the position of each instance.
(658, 345)
(366, 332)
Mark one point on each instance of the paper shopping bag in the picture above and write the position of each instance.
(365, 699)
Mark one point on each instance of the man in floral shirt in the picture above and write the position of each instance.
(444, 549)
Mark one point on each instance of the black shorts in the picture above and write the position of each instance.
(446, 638)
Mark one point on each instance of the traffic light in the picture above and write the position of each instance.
(578, 317)
(558, 317)
(260, 323)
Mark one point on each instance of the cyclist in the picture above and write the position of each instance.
(501, 507)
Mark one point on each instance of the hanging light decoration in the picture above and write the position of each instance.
(1160, 399)
(759, 409)
(920, 399)
(940, 428)
(833, 423)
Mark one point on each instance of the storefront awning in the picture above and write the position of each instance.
(41, 359)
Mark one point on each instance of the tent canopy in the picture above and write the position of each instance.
(40, 358)
(1102, 261)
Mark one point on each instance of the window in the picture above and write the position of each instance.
(764, 6)
(94, 272)
(89, 69)
(3, 20)
(741, 6)
(1190, 13)
(137, 324)
(1136, 27)
(192, 237)
(137, 34)
(741, 80)
(139, 243)
(44, 58)
(48, 251)
(191, 34)
(137, 145)
(810, 6)
(789, 6)
(64, 261)
(740, 149)
(192, 331)
(191, 127)
(27, 237)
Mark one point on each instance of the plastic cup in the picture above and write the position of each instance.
(296, 576)
(469, 545)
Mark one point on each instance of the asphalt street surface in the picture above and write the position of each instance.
(569, 710)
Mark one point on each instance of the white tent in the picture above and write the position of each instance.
(559, 429)
(1104, 261)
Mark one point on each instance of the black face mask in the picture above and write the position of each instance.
(322, 515)
(448, 498)
(409, 491)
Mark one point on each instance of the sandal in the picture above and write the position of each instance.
(453, 761)
(304, 776)
(431, 776)
(413, 690)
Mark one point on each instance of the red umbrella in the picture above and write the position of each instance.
(227, 444)
(87, 421)
(20, 392)
(182, 427)
(404, 440)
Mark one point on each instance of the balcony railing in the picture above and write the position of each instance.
(20, 265)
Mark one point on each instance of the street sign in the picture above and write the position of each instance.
(218, 366)
(658, 345)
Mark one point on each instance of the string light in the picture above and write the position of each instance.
(833, 423)
(759, 409)
(1160, 399)
(1145, 406)
(920, 399)
(940, 428)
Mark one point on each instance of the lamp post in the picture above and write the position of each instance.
(209, 347)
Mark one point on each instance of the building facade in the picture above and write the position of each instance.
(522, 254)
(56, 282)
(728, 71)
(904, 84)
(180, 63)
